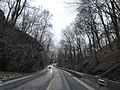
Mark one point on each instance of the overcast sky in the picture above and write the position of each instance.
(61, 15)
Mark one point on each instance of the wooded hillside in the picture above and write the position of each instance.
(18, 51)
(25, 36)
(91, 44)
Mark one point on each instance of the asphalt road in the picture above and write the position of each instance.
(54, 79)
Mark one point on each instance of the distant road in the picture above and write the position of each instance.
(54, 79)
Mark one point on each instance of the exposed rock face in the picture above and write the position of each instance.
(18, 51)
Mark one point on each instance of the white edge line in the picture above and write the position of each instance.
(67, 72)
(20, 78)
(84, 84)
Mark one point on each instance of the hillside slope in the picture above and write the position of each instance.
(18, 51)
(108, 58)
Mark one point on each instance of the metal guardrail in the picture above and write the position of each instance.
(74, 72)
(108, 84)
(19, 81)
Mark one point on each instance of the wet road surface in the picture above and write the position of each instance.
(54, 79)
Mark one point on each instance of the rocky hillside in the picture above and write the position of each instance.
(18, 51)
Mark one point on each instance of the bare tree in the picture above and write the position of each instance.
(14, 9)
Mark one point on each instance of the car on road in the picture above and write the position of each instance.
(49, 66)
